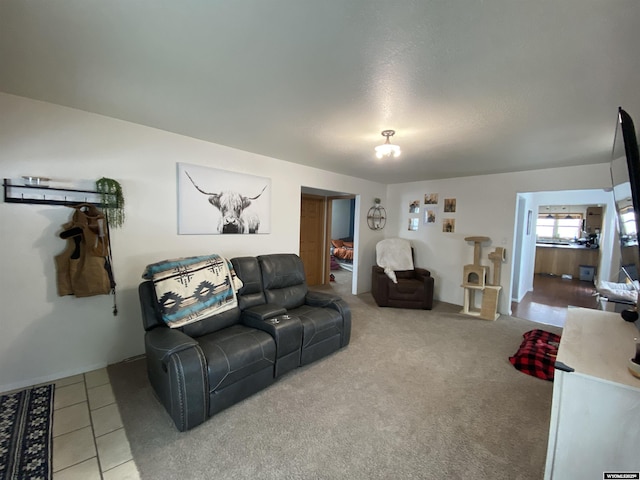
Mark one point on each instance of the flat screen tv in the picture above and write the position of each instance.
(625, 176)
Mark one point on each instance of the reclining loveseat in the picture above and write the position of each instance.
(278, 324)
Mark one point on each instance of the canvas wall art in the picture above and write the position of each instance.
(212, 201)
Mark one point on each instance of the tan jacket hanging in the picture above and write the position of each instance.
(83, 268)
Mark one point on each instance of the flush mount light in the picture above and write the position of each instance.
(387, 149)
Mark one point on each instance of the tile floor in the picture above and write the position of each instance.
(89, 441)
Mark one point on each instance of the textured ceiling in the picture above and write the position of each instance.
(470, 87)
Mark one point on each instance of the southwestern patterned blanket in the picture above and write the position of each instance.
(193, 288)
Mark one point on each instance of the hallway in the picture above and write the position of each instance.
(551, 296)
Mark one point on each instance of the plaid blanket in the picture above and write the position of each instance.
(193, 288)
(537, 354)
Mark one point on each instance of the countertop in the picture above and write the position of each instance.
(571, 246)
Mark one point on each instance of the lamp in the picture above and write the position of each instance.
(388, 149)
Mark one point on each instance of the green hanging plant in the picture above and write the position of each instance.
(112, 200)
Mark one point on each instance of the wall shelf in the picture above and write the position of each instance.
(376, 217)
(16, 192)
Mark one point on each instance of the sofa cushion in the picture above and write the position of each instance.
(235, 353)
(318, 324)
(213, 323)
(283, 279)
(248, 270)
(405, 288)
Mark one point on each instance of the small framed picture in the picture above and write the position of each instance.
(430, 216)
(448, 225)
(450, 205)
(430, 198)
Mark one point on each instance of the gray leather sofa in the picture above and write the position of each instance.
(279, 324)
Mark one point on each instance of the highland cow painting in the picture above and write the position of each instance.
(213, 201)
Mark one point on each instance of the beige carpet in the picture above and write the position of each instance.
(417, 394)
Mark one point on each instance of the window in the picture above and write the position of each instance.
(628, 220)
(559, 225)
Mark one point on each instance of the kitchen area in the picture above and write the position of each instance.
(567, 241)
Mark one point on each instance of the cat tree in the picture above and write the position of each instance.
(475, 280)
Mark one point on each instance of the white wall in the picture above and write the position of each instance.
(44, 336)
(340, 218)
(486, 206)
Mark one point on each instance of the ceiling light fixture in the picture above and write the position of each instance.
(388, 149)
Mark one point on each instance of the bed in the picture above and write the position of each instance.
(342, 250)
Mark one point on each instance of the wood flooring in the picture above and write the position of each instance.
(551, 296)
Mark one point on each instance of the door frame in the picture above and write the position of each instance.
(327, 233)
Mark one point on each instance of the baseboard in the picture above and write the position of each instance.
(50, 378)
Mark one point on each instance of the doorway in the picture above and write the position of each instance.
(341, 227)
(539, 293)
(316, 217)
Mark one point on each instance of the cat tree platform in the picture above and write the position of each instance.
(475, 280)
(488, 306)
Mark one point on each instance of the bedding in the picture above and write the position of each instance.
(619, 292)
(342, 250)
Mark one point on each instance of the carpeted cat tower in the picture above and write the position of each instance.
(475, 281)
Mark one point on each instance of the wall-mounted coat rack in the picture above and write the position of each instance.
(16, 191)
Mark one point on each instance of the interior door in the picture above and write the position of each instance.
(312, 227)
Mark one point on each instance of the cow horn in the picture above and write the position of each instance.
(263, 189)
(211, 193)
(197, 187)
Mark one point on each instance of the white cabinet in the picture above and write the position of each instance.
(595, 414)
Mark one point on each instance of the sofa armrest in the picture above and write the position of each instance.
(345, 311)
(335, 302)
(422, 272)
(164, 342)
(262, 312)
(286, 331)
(424, 275)
(320, 299)
(377, 270)
(177, 370)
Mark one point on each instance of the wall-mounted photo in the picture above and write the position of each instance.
(214, 201)
(448, 225)
(450, 205)
(430, 198)
(414, 207)
(413, 224)
(430, 216)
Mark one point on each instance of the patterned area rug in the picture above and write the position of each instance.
(25, 434)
